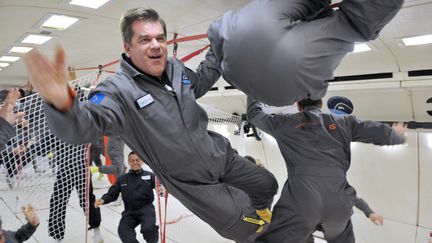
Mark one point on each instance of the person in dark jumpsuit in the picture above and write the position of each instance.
(282, 51)
(136, 189)
(316, 149)
(151, 104)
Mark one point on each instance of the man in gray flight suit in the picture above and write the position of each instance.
(151, 104)
(267, 41)
(316, 149)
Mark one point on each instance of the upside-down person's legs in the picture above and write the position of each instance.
(369, 17)
(259, 183)
(218, 204)
(289, 225)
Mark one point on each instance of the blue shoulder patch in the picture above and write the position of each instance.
(185, 79)
(97, 98)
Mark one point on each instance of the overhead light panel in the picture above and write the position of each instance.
(36, 39)
(95, 4)
(417, 40)
(8, 59)
(361, 47)
(4, 64)
(59, 22)
(20, 49)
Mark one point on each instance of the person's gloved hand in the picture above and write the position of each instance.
(50, 155)
(94, 170)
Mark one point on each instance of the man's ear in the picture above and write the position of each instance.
(126, 49)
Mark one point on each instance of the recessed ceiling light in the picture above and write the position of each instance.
(4, 64)
(89, 3)
(36, 39)
(59, 22)
(8, 59)
(417, 40)
(0, 69)
(20, 49)
(361, 47)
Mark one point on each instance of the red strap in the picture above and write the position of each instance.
(162, 223)
(111, 177)
(193, 54)
(110, 63)
(187, 38)
(87, 189)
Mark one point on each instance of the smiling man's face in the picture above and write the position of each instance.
(148, 47)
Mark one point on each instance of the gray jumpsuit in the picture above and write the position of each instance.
(292, 47)
(168, 130)
(358, 203)
(316, 149)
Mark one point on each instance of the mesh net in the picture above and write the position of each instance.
(38, 168)
(217, 116)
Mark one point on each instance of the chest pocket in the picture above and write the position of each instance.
(144, 103)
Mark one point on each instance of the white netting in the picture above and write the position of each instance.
(38, 168)
(217, 116)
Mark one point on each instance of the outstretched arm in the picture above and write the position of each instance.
(27, 230)
(259, 118)
(205, 76)
(71, 121)
(364, 207)
(378, 133)
(112, 194)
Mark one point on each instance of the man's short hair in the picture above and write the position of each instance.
(309, 102)
(140, 14)
(131, 152)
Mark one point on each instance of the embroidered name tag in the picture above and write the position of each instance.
(145, 178)
(144, 101)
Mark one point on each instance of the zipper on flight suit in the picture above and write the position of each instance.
(170, 89)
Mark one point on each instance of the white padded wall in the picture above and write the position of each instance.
(390, 232)
(425, 173)
(276, 163)
(387, 178)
